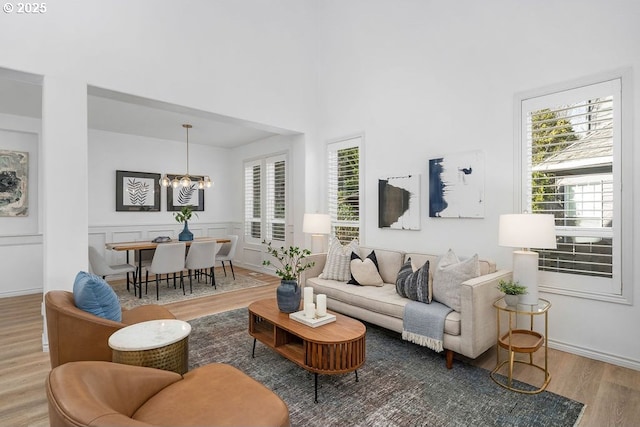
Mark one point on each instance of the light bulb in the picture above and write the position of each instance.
(165, 181)
(175, 183)
(185, 181)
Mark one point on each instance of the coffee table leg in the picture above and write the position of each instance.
(316, 386)
(253, 352)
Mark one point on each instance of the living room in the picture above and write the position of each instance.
(416, 80)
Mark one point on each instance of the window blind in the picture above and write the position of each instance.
(344, 188)
(570, 173)
(252, 200)
(276, 199)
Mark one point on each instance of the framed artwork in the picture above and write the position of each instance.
(399, 202)
(183, 196)
(456, 186)
(14, 183)
(137, 191)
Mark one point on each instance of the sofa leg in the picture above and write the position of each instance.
(449, 356)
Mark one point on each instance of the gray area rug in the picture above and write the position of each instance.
(168, 294)
(400, 384)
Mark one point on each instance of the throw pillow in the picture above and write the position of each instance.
(449, 275)
(365, 273)
(93, 295)
(414, 284)
(338, 259)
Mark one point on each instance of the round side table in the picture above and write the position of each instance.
(161, 344)
(521, 340)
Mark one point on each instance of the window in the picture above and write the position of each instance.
(344, 188)
(571, 151)
(265, 199)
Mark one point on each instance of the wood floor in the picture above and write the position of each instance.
(612, 393)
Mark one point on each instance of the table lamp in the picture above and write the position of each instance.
(318, 225)
(527, 231)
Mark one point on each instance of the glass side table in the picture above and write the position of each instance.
(520, 340)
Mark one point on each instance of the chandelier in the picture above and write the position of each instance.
(185, 181)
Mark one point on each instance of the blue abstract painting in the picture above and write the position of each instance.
(456, 185)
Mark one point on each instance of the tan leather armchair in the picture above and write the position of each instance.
(75, 334)
(111, 394)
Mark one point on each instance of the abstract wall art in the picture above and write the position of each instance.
(137, 191)
(14, 176)
(184, 196)
(456, 185)
(399, 202)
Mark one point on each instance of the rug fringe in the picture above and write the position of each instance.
(433, 344)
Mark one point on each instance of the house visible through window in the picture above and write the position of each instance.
(571, 150)
(344, 188)
(265, 199)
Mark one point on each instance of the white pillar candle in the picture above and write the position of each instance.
(309, 310)
(321, 299)
(308, 295)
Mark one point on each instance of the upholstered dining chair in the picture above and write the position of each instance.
(168, 258)
(202, 256)
(227, 252)
(101, 267)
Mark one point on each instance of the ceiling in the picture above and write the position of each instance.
(117, 112)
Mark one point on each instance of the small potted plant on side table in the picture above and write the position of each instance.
(291, 264)
(184, 215)
(511, 290)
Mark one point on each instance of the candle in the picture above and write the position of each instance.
(308, 295)
(309, 310)
(322, 304)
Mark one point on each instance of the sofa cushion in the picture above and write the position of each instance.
(93, 295)
(338, 259)
(449, 275)
(365, 273)
(414, 284)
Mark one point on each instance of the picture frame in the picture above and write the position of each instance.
(179, 197)
(14, 183)
(137, 191)
(399, 202)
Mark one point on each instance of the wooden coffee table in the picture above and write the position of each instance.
(335, 348)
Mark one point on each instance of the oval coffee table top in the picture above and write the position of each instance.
(149, 335)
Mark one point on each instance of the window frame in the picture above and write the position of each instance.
(356, 140)
(264, 201)
(621, 285)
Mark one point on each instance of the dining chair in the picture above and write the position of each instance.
(168, 258)
(100, 266)
(227, 252)
(201, 256)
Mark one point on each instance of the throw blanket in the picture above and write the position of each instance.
(423, 324)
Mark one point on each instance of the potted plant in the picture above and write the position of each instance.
(511, 290)
(290, 263)
(184, 215)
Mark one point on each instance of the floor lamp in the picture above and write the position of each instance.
(318, 225)
(527, 231)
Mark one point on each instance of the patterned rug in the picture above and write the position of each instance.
(400, 384)
(168, 294)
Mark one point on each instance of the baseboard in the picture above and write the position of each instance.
(21, 292)
(596, 355)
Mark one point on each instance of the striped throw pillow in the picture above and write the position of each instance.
(338, 260)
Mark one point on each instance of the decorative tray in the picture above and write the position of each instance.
(298, 316)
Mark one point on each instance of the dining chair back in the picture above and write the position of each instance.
(202, 256)
(168, 258)
(227, 252)
(101, 267)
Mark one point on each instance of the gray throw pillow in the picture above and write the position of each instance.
(414, 284)
(449, 275)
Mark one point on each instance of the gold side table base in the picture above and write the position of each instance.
(508, 382)
(173, 357)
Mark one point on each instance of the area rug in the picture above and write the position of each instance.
(400, 384)
(168, 294)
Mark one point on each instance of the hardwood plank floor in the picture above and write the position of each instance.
(612, 393)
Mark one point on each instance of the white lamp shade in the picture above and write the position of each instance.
(316, 224)
(527, 231)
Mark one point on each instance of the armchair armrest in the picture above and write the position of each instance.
(477, 315)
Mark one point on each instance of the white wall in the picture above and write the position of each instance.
(422, 79)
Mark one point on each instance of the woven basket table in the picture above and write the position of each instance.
(161, 344)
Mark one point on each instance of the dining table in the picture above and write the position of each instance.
(142, 245)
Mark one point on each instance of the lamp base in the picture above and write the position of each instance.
(525, 272)
(318, 243)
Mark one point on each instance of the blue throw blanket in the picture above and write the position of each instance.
(423, 324)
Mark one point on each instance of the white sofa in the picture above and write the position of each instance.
(469, 332)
